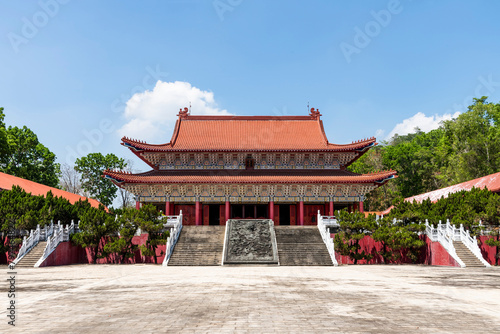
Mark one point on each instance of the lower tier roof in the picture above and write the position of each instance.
(248, 176)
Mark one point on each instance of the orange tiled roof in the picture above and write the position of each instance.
(249, 176)
(491, 182)
(248, 133)
(8, 181)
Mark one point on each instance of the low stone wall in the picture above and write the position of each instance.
(432, 254)
(66, 254)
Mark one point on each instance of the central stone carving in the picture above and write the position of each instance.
(250, 241)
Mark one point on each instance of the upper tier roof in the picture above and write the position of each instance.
(248, 133)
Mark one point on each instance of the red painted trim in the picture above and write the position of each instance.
(228, 211)
(301, 213)
(197, 213)
(271, 210)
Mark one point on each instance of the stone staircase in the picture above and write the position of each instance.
(30, 259)
(466, 255)
(199, 246)
(301, 246)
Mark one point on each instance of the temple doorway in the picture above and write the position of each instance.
(214, 214)
(284, 214)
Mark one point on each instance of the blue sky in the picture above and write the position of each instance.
(81, 74)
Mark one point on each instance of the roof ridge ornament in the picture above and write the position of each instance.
(183, 114)
(315, 114)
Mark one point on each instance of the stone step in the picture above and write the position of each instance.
(30, 259)
(468, 258)
(198, 246)
(301, 246)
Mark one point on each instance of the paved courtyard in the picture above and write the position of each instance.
(351, 299)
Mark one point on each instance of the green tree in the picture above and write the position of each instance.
(128, 223)
(22, 155)
(353, 227)
(474, 139)
(398, 239)
(91, 168)
(3, 137)
(151, 222)
(95, 226)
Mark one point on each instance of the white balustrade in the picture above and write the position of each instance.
(35, 236)
(323, 223)
(60, 234)
(445, 234)
(175, 223)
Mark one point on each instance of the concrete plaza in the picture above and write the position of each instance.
(350, 299)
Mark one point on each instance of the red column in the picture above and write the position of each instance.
(228, 211)
(361, 207)
(355, 207)
(331, 209)
(301, 213)
(349, 208)
(137, 205)
(271, 210)
(167, 208)
(197, 215)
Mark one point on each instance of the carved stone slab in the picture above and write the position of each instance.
(250, 241)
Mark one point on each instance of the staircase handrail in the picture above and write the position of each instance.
(28, 244)
(327, 239)
(470, 242)
(174, 236)
(444, 235)
(59, 235)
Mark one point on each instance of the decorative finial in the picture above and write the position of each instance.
(315, 114)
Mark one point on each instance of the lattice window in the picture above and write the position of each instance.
(271, 159)
(184, 157)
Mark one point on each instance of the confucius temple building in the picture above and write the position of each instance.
(278, 167)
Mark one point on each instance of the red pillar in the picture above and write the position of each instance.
(349, 208)
(271, 210)
(361, 207)
(301, 213)
(197, 215)
(167, 208)
(331, 209)
(228, 211)
(355, 207)
(137, 205)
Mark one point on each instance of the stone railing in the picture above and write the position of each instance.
(59, 235)
(445, 234)
(175, 223)
(35, 236)
(449, 233)
(324, 222)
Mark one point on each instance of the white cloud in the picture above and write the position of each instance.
(151, 115)
(419, 120)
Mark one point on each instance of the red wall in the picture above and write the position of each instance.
(66, 254)
(433, 254)
(489, 252)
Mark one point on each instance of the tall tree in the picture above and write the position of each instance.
(3, 137)
(91, 168)
(474, 139)
(95, 226)
(22, 155)
(70, 180)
